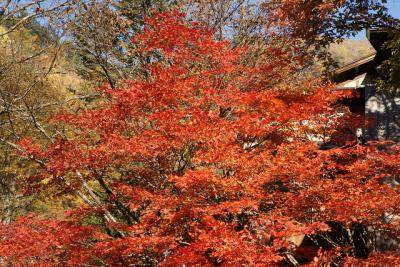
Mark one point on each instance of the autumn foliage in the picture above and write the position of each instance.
(201, 162)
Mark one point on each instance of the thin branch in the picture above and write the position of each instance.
(30, 16)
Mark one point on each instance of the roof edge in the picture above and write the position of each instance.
(356, 63)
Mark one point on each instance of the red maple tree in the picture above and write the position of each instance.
(202, 163)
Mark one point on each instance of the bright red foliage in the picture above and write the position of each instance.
(202, 163)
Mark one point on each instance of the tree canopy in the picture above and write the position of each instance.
(202, 162)
(199, 133)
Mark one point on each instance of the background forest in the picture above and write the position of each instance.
(80, 80)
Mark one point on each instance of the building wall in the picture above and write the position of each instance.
(384, 113)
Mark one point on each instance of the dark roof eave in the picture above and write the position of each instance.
(355, 64)
(349, 88)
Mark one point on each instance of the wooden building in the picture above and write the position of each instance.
(381, 110)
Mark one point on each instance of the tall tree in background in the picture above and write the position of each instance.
(97, 31)
(203, 162)
(34, 83)
(102, 31)
(389, 71)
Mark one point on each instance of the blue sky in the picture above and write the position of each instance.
(394, 7)
(394, 10)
